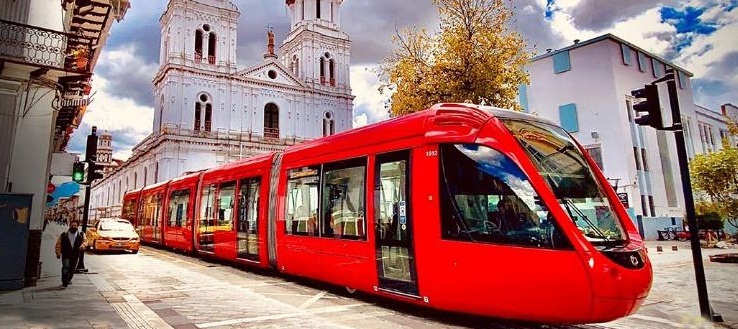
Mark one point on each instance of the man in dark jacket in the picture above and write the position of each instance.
(68, 247)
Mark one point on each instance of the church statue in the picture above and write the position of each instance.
(270, 45)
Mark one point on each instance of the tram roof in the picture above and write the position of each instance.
(437, 117)
(235, 165)
(155, 186)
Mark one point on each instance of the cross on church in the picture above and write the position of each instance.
(269, 26)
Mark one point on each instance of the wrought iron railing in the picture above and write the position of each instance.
(33, 45)
(271, 133)
(211, 59)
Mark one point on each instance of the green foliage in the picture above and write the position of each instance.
(715, 175)
(710, 221)
(475, 57)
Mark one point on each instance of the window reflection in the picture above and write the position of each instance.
(226, 201)
(248, 215)
(487, 198)
(343, 201)
(178, 201)
(302, 201)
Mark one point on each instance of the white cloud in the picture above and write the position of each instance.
(365, 86)
(120, 116)
(641, 30)
(360, 120)
(721, 43)
(562, 24)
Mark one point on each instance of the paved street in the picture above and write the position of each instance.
(160, 289)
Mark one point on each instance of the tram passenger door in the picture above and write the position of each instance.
(247, 240)
(393, 224)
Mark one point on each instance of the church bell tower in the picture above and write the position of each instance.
(316, 50)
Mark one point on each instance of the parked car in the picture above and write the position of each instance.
(113, 234)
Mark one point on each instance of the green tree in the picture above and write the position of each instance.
(715, 175)
(474, 57)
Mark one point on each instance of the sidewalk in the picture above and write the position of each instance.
(48, 305)
(158, 289)
(673, 298)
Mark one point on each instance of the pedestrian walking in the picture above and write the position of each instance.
(69, 246)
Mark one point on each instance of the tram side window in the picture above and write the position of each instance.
(178, 201)
(226, 202)
(207, 200)
(487, 198)
(149, 210)
(344, 199)
(302, 201)
(248, 205)
(129, 210)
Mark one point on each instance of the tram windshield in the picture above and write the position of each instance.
(564, 168)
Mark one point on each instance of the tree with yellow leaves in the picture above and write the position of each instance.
(474, 57)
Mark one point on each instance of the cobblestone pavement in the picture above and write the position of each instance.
(160, 289)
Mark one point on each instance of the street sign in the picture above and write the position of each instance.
(624, 199)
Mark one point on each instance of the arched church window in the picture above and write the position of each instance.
(156, 173)
(295, 65)
(322, 70)
(208, 116)
(212, 41)
(203, 121)
(146, 175)
(317, 8)
(271, 121)
(329, 125)
(198, 45)
(161, 112)
(331, 72)
(135, 180)
(197, 115)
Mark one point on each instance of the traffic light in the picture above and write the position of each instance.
(94, 171)
(649, 103)
(91, 151)
(78, 172)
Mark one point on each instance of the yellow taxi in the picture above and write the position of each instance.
(113, 234)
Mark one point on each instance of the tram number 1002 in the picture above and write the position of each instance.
(433, 153)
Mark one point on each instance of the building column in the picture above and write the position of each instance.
(29, 168)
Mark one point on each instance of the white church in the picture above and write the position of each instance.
(209, 112)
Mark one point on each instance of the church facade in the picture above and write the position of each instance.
(208, 112)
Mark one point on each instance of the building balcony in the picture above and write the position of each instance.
(271, 133)
(44, 48)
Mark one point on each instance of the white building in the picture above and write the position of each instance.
(712, 128)
(48, 51)
(586, 87)
(209, 112)
(730, 113)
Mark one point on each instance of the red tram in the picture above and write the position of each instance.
(460, 207)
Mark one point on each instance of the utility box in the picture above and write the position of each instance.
(15, 220)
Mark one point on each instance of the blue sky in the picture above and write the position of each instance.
(698, 35)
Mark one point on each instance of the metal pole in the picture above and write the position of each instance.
(699, 270)
(85, 215)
